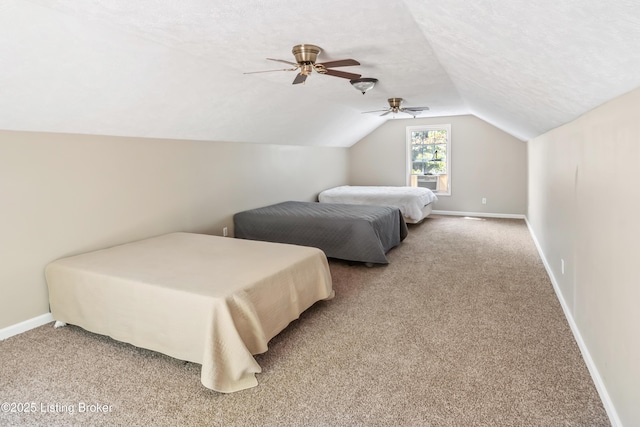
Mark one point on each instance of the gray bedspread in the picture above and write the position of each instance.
(362, 233)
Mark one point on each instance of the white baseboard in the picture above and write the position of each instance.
(21, 327)
(479, 214)
(593, 370)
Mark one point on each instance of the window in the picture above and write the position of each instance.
(429, 158)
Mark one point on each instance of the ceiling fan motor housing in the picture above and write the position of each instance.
(306, 53)
(394, 102)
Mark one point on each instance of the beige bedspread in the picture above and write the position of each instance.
(211, 300)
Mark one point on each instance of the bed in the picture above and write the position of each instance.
(342, 231)
(215, 301)
(415, 203)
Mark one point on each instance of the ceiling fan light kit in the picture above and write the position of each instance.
(364, 84)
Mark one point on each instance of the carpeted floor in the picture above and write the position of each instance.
(462, 328)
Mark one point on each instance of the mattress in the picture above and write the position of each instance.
(342, 231)
(410, 200)
(205, 299)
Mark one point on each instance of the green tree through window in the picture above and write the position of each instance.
(428, 150)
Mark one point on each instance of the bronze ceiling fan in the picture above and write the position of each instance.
(394, 107)
(305, 56)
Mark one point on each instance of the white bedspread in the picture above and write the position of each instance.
(206, 299)
(410, 200)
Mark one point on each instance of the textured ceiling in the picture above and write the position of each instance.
(174, 69)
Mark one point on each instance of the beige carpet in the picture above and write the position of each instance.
(462, 328)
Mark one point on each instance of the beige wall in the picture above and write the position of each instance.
(66, 194)
(485, 162)
(584, 200)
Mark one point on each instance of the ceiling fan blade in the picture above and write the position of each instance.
(344, 75)
(340, 63)
(269, 71)
(374, 111)
(413, 113)
(300, 78)
(384, 114)
(286, 62)
(416, 108)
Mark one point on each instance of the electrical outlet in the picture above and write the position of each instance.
(225, 231)
(562, 265)
(484, 200)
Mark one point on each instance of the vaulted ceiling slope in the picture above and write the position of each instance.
(175, 69)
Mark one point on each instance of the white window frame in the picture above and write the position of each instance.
(410, 129)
